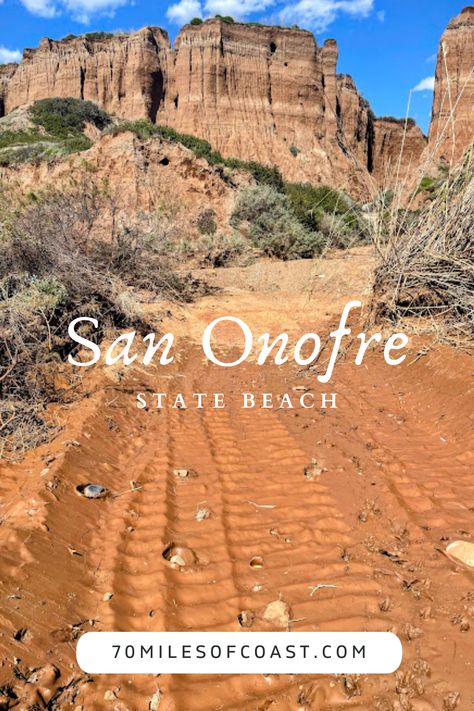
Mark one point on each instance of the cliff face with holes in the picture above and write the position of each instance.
(452, 126)
(266, 94)
(259, 93)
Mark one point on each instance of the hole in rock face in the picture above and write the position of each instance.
(165, 161)
(256, 562)
(179, 556)
(273, 47)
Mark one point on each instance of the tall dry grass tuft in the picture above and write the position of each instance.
(426, 254)
(426, 268)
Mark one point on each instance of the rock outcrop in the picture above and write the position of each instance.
(268, 94)
(261, 93)
(6, 73)
(398, 146)
(452, 122)
(153, 177)
(355, 122)
(124, 74)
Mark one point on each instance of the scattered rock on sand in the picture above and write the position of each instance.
(202, 514)
(92, 491)
(412, 632)
(351, 684)
(155, 701)
(385, 604)
(313, 470)
(277, 613)
(451, 701)
(256, 561)
(46, 676)
(462, 551)
(21, 635)
(246, 618)
(179, 556)
(185, 473)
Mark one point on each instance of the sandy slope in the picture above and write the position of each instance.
(398, 486)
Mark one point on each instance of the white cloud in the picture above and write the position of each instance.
(83, 10)
(314, 14)
(381, 15)
(236, 8)
(319, 14)
(9, 55)
(80, 10)
(183, 11)
(426, 84)
(43, 8)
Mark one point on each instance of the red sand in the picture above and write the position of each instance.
(398, 486)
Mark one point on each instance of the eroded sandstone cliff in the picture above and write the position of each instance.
(261, 93)
(452, 122)
(153, 176)
(124, 74)
(268, 94)
(397, 148)
(6, 73)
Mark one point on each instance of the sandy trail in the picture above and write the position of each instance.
(398, 487)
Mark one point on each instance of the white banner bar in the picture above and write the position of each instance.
(239, 652)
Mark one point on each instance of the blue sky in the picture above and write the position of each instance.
(388, 46)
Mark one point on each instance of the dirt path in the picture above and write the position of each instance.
(396, 486)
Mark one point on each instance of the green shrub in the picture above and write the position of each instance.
(206, 222)
(312, 205)
(426, 183)
(29, 153)
(294, 151)
(225, 18)
(262, 174)
(220, 250)
(60, 123)
(70, 36)
(430, 186)
(18, 138)
(64, 117)
(272, 226)
(142, 128)
(196, 21)
(98, 35)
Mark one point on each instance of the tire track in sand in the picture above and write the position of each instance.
(260, 464)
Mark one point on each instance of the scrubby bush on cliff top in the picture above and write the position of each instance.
(58, 126)
(428, 270)
(63, 117)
